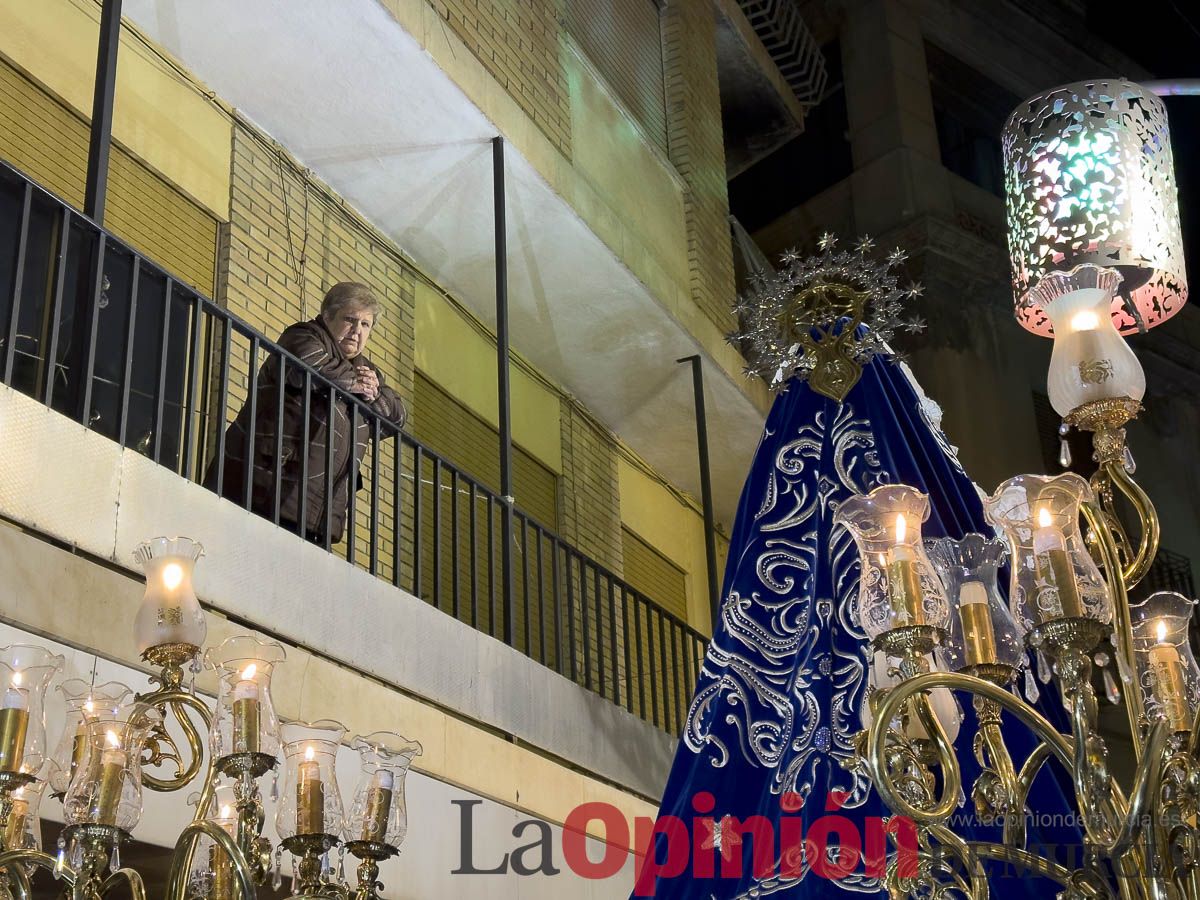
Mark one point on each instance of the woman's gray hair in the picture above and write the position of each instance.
(349, 295)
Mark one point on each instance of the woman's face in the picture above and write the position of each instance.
(351, 327)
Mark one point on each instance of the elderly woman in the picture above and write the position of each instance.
(331, 344)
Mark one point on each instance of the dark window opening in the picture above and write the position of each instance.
(969, 112)
(816, 159)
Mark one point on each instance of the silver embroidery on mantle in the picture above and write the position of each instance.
(763, 687)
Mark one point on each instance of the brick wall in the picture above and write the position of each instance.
(289, 239)
(697, 149)
(518, 43)
(591, 501)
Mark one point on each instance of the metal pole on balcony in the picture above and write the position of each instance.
(710, 535)
(102, 111)
(502, 386)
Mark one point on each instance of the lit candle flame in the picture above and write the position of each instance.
(1085, 320)
(89, 706)
(249, 671)
(226, 811)
(901, 528)
(309, 753)
(112, 739)
(1161, 628)
(172, 576)
(1044, 520)
(17, 678)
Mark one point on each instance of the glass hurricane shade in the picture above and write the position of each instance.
(379, 812)
(1090, 360)
(981, 629)
(85, 703)
(245, 719)
(885, 674)
(25, 674)
(212, 874)
(1090, 182)
(1167, 672)
(310, 801)
(22, 828)
(107, 787)
(897, 585)
(170, 612)
(1053, 576)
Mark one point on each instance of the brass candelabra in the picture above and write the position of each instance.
(114, 744)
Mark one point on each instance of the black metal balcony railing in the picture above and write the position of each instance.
(98, 332)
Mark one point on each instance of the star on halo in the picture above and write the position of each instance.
(827, 241)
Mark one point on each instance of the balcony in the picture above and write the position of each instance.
(99, 334)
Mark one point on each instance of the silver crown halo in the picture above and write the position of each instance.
(804, 320)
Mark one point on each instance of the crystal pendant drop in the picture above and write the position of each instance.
(1045, 672)
(341, 864)
(1031, 689)
(75, 855)
(114, 860)
(1064, 448)
(1130, 465)
(1111, 691)
(61, 860)
(276, 873)
(962, 796)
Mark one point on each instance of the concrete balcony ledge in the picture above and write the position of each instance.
(77, 486)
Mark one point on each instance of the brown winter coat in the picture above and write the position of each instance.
(312, 343)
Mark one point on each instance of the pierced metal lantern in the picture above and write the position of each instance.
(1091, 184)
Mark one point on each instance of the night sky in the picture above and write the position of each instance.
(1164, 36)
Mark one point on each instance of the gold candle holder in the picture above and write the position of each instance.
(1166, 671)
(904, 582)
(379, 806)
(14, 826)
(14, 725)
(979, 637)
(1055, 567)
(310, 796)
(246, 710)
(112, 777)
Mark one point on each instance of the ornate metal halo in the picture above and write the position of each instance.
(804, 320)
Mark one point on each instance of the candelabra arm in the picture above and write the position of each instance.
(1135, 568)
(1122, 625)
(10, 859)
(128, 877)
(185, 847)
(891, 706)
(996, 790)
(19, 886)
(1014, 825)
(161, 747)
(968, 856)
